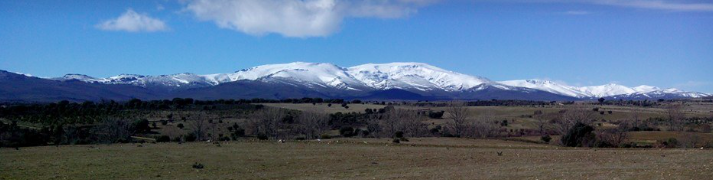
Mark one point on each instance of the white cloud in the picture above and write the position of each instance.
(296, 18)
(657, 4)
(132, 21)
(670, 5)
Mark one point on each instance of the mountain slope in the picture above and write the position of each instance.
(607, 90)
(21, 88)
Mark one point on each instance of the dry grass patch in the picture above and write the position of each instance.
(430, 158)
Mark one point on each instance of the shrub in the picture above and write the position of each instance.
(546, 138)
(399, 134)
(141, 126)
(163, 138)
(180, 126)
(197, 166)
(325, 136)
(396, 140)
(262, 136)
(436, 115)
(191, 137)
(578, 136)
(671, 143)
(346, 131)
(434, 131)
(240, 132)
(164, 122)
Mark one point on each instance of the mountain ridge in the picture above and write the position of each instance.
(329, 80)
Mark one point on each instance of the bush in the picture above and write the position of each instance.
(262, 136)
(396, 140)
(164, 122)
(237, 133)
(436, 115)
(325, 136)
(579, 135)
(180, 126)
(671, 143)
(434, 131)
(546, 138)
(163, 138)
(141, 126)
(399, 134)
(191, 137)
(346, 131)
(197, 166)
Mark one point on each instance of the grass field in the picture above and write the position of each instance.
(421, 158)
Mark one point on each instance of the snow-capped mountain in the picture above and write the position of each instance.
(309, 74)
(332, 80)
(417, 76)
(182, 80)
(548, 86)
(607, 90)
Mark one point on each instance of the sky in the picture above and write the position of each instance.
(665, 43)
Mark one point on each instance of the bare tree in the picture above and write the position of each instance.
(199, 125)
(635, 116)
(268, 121)
(312, 124)
(676, 117)
(541, 122)
(391, 122)
(412, 123)
(113, 130)
(458, 113)
(615, 136)
(484, 126)
(572, 115)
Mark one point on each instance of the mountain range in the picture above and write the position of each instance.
(392, 81)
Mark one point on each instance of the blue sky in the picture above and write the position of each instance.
(664, 43)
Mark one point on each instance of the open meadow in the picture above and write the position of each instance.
(421, 158)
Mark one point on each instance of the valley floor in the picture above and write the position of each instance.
(421, 158)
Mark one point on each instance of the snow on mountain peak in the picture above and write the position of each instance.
(406, 75)
(645, 89)
(397, 75)
(610, 89)
(548, 86)
(311, 74)
(79, 77)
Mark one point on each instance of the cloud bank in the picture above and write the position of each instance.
(131, 21)
(296, 18)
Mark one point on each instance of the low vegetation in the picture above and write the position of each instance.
(356, 127)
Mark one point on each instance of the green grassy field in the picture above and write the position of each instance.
(421, 158)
